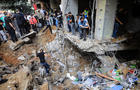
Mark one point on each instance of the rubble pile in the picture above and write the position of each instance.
(70, 68)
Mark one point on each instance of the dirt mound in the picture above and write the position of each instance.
(8, 55)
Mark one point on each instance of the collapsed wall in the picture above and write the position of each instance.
(66, 53)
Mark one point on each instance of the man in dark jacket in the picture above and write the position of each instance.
(10, 28)
(41, 56)
(20, 21)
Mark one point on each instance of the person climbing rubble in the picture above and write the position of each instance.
(41, 56)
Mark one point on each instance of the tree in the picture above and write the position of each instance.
(15, 4)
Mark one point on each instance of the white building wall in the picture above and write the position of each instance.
(69, 6)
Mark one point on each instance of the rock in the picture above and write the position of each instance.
(33, 53)
(39, 80)
(108, 63)
(22, 79)
(79, 74)
(53, 46)
(60, 80)
(88, 82)
(21, 57)
(17, 45)
(27, 40)
(71, 57)
(42, 71)
(44, 86)
(22, 41)
(27, 57)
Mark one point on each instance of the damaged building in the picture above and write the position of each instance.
(107, 60)
(103, 23)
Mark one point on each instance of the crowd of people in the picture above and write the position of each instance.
(15, 25)
(81, 24)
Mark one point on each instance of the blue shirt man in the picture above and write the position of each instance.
(83, 27)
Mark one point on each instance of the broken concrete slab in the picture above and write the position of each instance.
(18, 44)
(29, 35)
(99, 47)
(53, 46)
(27, 40)
(108, 63)
(15, 46)
(20, 80)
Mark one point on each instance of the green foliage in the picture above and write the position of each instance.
(16, 4)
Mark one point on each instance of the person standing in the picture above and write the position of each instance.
(33, 23)
(20, 21)
(2, 18)
(27, 26)
(60, 20)
(40, 17)
(41, 56)
(83, 28)
(86, 13)
(51, 18)
(71, 22)
(10, 28)
(3, 38)
(43, 14)
(48, 24)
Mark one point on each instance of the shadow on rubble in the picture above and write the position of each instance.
(90, 56)
(3, 81)
(132, 52)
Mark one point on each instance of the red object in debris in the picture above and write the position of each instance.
(35, 7)
(131, 71)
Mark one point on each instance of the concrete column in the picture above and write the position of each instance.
(69, 6)
(105, 16)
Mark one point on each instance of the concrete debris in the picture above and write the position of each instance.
(29, 35)
(21, 57)
(42, 71)
(60, 80)
(15, 46)
(71, 77)
(88, 82)
(53, 46)
(27, 40)
(18, 44)
(70, 67)
(107, 62)
(45, 86)
(19, 80)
